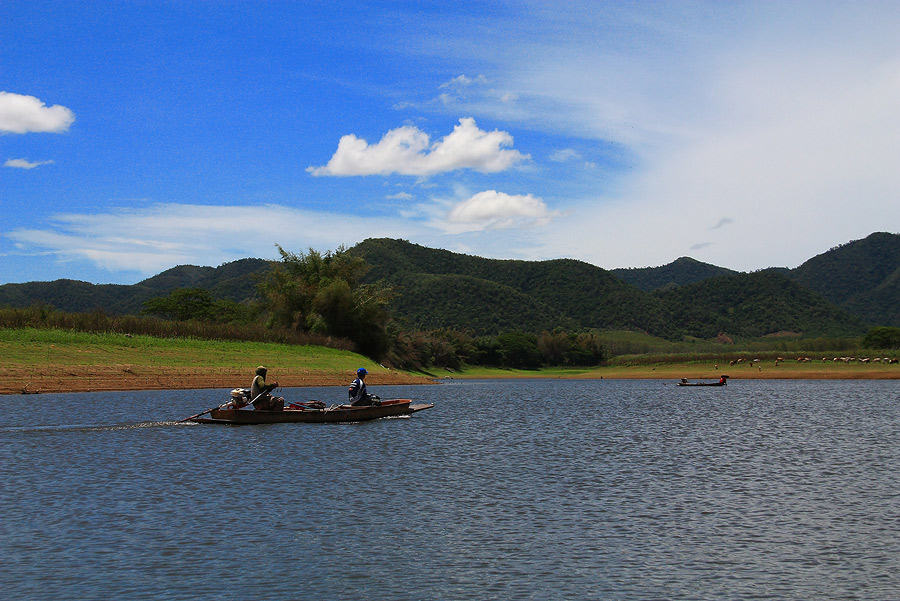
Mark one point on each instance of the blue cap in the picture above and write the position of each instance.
(361, 371)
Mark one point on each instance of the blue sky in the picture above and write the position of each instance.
(136, 136)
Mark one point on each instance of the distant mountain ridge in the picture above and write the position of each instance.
(839, 292)
(233, 281)
(491, 295)
(863, 276)
(680, 272)
(438, 288)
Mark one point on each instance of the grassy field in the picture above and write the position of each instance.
(48, 360)
(705, 370)
(39, 360)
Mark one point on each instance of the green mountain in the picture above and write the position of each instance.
(441, 289)
(862, 276)
(235, 280)
(229, 281)
(76, 296)
(753, 305)
(487, 296)
(679, 272)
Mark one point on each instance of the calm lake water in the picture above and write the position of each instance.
(529, 489)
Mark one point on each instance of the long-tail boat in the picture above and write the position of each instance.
(311, 413)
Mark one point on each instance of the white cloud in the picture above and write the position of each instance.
(151, 239)
(564, 155)
(400, 196)
(21, 114)
(785, 117)
(155, 238)
(492, 210)
(408, 151)
(25, 164)
(463, 81)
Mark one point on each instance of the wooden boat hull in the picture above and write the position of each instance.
(342, 413)
(701, 383)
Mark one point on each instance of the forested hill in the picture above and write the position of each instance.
(439, 288)
(862, 276)
(232, 281)
(679, 272)
(754, 305)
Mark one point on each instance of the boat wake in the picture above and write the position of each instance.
(88, 427)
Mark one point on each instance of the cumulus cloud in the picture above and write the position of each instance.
(408, 151)
(785, 118)
(492, 210)
(21, 114)
(25, 164)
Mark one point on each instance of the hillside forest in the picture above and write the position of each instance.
(415, 307)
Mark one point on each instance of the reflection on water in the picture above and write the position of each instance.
(505, 490)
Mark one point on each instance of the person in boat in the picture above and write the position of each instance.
(357, 392)
(262, 392)
(722, 380)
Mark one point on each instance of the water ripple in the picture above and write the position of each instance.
(505, 490)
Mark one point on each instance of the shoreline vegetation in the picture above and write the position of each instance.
(53, 361)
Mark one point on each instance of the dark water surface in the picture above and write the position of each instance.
(506, 490)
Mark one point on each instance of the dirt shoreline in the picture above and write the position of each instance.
(93, 378)
(20, 379)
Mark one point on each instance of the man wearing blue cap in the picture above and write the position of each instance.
(357, 392)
